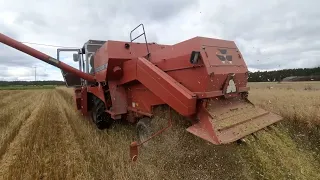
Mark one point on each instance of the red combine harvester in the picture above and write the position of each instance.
(203, 79)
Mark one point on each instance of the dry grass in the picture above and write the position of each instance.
(295, 101)
(297, 154)
(42, 136)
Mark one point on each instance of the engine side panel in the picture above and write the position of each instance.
(134, 94)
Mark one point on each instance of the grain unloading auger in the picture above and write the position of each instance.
(203, 79)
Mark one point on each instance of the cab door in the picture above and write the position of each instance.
(70, 79)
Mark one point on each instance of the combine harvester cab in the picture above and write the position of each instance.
(224, 113)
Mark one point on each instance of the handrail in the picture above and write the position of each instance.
(145, 37)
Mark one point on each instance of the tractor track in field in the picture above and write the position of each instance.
(106, 151)
(10, 131)
(18, 136)
(66, 115)
(78, 131)
(45, 140)
(15, 106)
(63, 96)
(13, 97)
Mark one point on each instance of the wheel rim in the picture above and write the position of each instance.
(143, 133)
(99, 116)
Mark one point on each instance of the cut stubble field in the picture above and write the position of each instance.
(42, 136)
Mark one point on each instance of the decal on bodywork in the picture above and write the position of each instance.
(223, 56)
(53, 61)
(102, 67)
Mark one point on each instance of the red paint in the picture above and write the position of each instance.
(97, 91)
(84, 101)
(204, 128)
(118, 98)
(165, 87)
(136, 83)
(134, 94)
(77, 97)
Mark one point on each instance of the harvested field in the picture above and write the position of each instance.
(42, 136)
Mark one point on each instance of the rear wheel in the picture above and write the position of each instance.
(144, 129)
(101, 118)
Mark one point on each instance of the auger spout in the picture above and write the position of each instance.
(44, 57)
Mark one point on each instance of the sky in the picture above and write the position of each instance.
(274, 34)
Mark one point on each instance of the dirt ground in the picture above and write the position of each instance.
(42, 136)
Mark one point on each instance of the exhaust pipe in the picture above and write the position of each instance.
(45, 58)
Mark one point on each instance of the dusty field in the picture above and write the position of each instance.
(42, 136)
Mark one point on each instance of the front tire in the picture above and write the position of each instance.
(101, 118)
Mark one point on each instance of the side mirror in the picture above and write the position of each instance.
(76, 57)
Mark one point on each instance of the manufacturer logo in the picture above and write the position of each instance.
(222, 54)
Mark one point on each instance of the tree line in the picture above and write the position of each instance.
(279, 75)
(30, 83)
